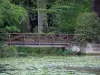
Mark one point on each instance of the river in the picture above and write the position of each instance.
(50, 65)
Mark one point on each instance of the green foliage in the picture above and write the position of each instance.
(40, 50)
(10, 16)
(67, 52)
(12, 29)
(88, 26)
(44, 51)
(66, 13)
(9, 51)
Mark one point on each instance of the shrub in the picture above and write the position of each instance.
(88, 28)
(12, 17)
(51, 51)
(9, 51)
(67, 52)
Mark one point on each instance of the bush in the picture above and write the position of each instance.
(12, 17)
(51, 51)
(67, 52)
(9, 51)
(46, 51)
(88, 28)
(12, 51)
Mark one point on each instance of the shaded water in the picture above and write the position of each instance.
(49, 66)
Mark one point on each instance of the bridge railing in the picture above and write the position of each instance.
(35, 38)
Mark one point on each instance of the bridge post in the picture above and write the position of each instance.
(67, 39)
(38, 39)
(24, 39)
(9, 39)
(53, 39)
(62, 38)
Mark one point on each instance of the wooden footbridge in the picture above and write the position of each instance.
(39, 40)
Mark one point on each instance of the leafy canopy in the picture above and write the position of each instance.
(11, 16)
(88, 28)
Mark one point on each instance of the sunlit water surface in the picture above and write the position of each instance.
(50, 65)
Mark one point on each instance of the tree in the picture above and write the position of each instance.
(64, 12)
(36, 5)
(11, 16)
(87, 29)
(41, 4)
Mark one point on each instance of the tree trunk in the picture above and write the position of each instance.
(41, 4)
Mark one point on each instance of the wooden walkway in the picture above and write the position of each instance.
(39, 40)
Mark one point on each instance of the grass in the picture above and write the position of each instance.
(50, 65)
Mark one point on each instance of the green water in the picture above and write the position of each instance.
(50, 65)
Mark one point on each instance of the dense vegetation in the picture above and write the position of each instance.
(58, 16)
(11, 51)
(11, 16)
(49, 16)
(63, 13)
(88, 26)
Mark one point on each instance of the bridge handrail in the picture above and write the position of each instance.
(39, 38)
(44, 33)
